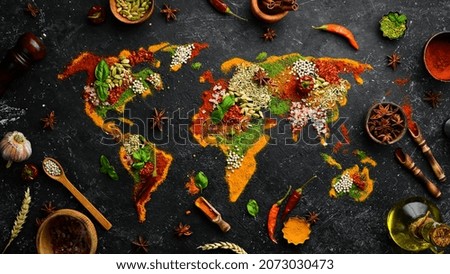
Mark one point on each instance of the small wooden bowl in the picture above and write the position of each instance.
(149, 12)
(44, 235)
(264, 16)
(403, 125)
(443, 40)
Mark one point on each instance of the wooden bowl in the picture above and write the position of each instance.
(400, 129)
(76, 227)
(148, 13)
(438, 46)
(264, 15)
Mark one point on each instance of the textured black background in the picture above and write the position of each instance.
(344, 226)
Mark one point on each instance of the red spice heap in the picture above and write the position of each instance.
(233, 116)
(147, 171)
(140, 56)
(328, 71)
(437, 57)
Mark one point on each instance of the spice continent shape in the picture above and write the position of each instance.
(233, 116)
(112, 82)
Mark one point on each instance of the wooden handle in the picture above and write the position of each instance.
(407, 162)
(224, 226)
(437, 169)
(430, 186)
(417, 135)
(85, 202)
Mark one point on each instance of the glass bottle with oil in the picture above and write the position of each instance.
(415, 224)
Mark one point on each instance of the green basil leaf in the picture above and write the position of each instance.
(137, 155)
(138, 166)
(252, 207)
(227, 102)
(104, 169)
(201, 181)
(113, 174)
(401, 19)
(104, 161)
(392, 17)
(102, 93)
(217, 115)
(146, 155)
(102, 71)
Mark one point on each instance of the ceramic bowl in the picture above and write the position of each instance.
(149, 12)
(439, 46)
(81, 232)
(264, 15)
(373, 124)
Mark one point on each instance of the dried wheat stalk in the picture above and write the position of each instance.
(20, 219)
(225, 245)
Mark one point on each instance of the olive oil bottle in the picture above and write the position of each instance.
(415, 224)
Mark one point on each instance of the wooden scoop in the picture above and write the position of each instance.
(420, 140)
(407, 162)
(61, 177)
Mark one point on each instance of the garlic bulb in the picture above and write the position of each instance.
(15, 147)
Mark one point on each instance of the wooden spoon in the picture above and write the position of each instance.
(408, 163)
(61, 177)
(417, 136)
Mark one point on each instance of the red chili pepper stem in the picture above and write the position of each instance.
(279, 202)
(222, 7)
(300, 189)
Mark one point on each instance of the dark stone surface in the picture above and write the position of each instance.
(344, 226)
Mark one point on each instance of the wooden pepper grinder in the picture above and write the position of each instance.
(28, 50)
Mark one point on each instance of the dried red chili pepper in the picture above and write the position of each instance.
(222, 7)
(305, 84)
(272, 218)
(29, 172)
(294, 198)
(341, 30)
(96, 14)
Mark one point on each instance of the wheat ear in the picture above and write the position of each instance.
(20, 219)
(225, 245)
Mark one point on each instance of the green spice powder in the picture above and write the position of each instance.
(391, 29)
(278, 106)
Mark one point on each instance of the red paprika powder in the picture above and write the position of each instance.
(437, 56)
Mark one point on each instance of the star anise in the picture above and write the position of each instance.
(49, 121)
(269, 35)
(261, 78)
(158, 119)
(312, 217)
(183, 230)
(32, 9)
(48, 208)
(169, 12)
(394, 60)
(381, 111)
(433, 98)
(141, 244)
(39, 221)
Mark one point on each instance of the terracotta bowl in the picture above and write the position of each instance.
(81, 230)
(400, 128)
(264, 15)
(439, 46)
(149, 12)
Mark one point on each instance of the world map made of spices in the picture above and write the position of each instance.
(232, 117)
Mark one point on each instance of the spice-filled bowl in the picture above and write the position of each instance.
(132, 12)
(66, 231)
(385, 123)
(436, 56)
(264, 14)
